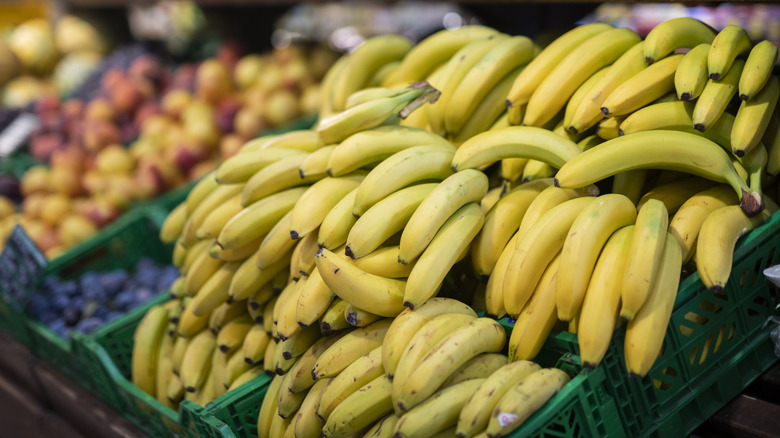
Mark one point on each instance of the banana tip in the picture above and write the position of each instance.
(411, 306)
(556, 183)
(621, 133)
(348, 252)
(744, 97)
(716, 289)
(325, 329)
(649, 60)
(259, 319)
(751, 203)
(573, 130)
(329, 172)
(190, 389)
(352, 319)
(249, 361)
(605, 111)
(303, 325)
(294, 235)
(454, 168)
(714, 76)
(589, 365)
(279, 371)
(508, 103)
(302, 175)
(739, 152)
(686, 97)
(287, 355)
(699, 127)
(224, 348)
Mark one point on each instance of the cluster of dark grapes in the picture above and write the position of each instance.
(96, 298)
(121, 58)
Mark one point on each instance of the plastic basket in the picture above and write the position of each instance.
(716, 344)
(120, 245)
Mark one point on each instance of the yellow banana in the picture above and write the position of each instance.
(214, 291)
(257, 219)
(248, 278)
(316, 163)
(758, 68)
(692, 74)
(315, 203)
(384, 428)
(535, 170)
(673, 194)
(630, 184)
(234, 255)
(201, 191)
(196, 363)
(174, 224)
(542, 203)
(360, 410)
(643, 88)
(224, 314)
(646, 332)
(232, 334)
(248, 375)
(686, 223)
(729, 43)
(358, 317)
(285, 315)
(437, 413)
(202, 269)
(579, 96)
(478, 367)
(147, 338)
(753, 118)
(677, 33)
(305, 140)
(276, 177)
(358, 374)
(494, 290)
(512, 168)
(214, 199)
(240, 168)
(306, 423)
(601, 306)
(276, 244)
(384, 262)
(304, 258)
(268, 407)
(235, 367)
(333, 319)
(255, 343)
(298, 344)
(314, 299)
(301, 371)
(350, 347)
(716, 95)
(337, 224)
(289, 401)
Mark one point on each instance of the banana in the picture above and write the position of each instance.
(301, 371)
(202, 268)
(400, 170)
(299, 343)
(488, 110)
(177, 355)
(196, 363)
(686, 223)
(753, 118)
(661, 150)
(692, 74)
(314, 299)
(384, 262)
(535, 250)
(268, 407)
(235, 367)
(200, 191)
(677, 33)
(587, 236)
(257, 219)
(248, 278)
(315, 203)
(303, 256)
(384, 428)
(536, 170)
(421, 343)
(378, 295)
(179, 255)
(326, 89)
(457, 190)
(248, 375)
(437, 413)
(361, 409)
(279, 426)
(584, 92)
(213, 200)
(409, 322)
(644, 257)
(475, 413)
(234, 255)
(255, 343)
(601, 306)
(367, 94)
(715, 246)
(542, 203)
(512, 168)
(422, 59)
(454, 72)
(493, 195)
(214, 291)
(546, 61)
(224, 314)
(206, 393)
(350, 347)
(174, 224)
(232, 334)
(384, 219)
(451, 240)
(276, 244)
(147, 339)
(523, 399)
(668, 115)
(484, 76)
(712, 102)
(274, 178)
(358, 374)
(481, 335)
(646, 332)
(240, 168)
(758, 68)
(674, 194)
(305, 140)
(478, 367)
(358, 317)
(374, 145)
(280, 364)
(514, 142)
(190, 324)
(306, 423)
(364, 62)
(177, 287)
(174, 393)
(268, 358)
(193, 253)
(337, 224)
(333, 319)
(289, 401)
(316, 163)
(494, 290)
(630, 184)
(729, 43)
(501, 222)
(336, 127)
(643, 88)
(285, 314)
(557, 87)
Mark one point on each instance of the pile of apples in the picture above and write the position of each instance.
(152, 129)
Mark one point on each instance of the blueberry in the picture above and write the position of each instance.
(59, 302)
(100, 313)
(125, 300)
(51, 282)
(143, 295)
(58, 327)
(146, 264)
(71, 316)
(69, 288)
(78, 303)
(91, 288)
(113, 315)
(88, 325)
(37, 305)
(147, 278)
(113, 282)
(48, 318)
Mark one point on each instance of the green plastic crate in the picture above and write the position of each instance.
(120, 245)
(111, 348)
(17, 163)
(716, 344)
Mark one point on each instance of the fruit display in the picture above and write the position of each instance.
(137, 129)
(86, 303)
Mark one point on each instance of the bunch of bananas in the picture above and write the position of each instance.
(321, 252)
(434, 370)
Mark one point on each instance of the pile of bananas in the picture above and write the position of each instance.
(306, 252)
